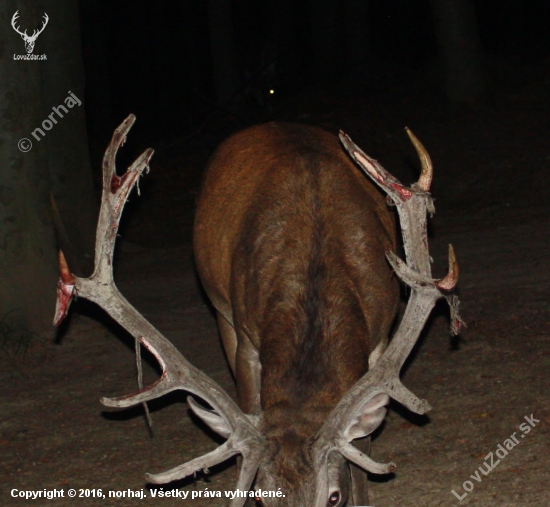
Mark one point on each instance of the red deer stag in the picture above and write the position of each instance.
(291, 243)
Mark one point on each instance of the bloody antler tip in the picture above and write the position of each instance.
(65, 290)
(150, 152)
(131, 118)
(344, 139)
(66, 276)
(451, 279)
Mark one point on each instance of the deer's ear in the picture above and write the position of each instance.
(214, 421)
(366, 417)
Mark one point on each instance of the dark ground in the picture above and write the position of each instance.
(491, 188)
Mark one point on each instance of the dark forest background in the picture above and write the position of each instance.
(156, 58)
(193, 71)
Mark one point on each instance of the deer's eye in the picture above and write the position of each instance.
(334, 498)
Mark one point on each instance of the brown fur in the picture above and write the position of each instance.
(290, 242)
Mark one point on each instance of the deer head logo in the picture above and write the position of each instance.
(29, 39)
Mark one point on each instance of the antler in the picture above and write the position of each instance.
(361, 410)
(16, 28)
(177, 373)
(35, 34)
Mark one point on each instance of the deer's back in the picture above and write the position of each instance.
(290, 242)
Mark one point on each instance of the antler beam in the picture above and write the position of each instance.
(177, 372)
(413, 205)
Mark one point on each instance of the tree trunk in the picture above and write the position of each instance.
(69, 160)
(460, 50)
(28, 266)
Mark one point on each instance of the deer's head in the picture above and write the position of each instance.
(29, 39)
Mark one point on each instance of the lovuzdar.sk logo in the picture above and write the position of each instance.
(29, 39)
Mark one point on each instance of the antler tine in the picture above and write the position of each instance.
(16, 28)
(65, 290)
(386, 181)
(413, 204)
(426, 176)
(115, 193)
(366, 462)
(46, 19)
(118, 139)
(66, 275)
(177, 372)
(451, 279)
(218, 455)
